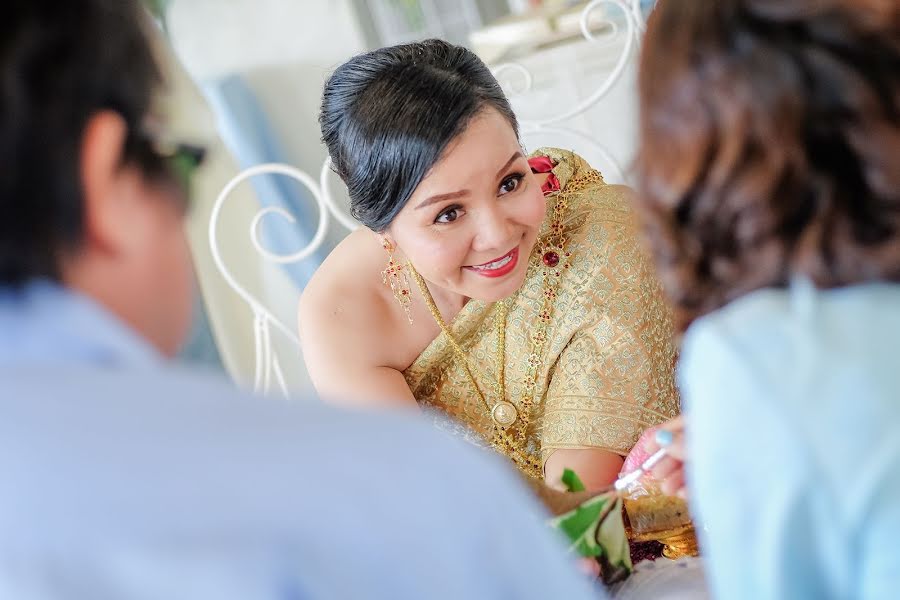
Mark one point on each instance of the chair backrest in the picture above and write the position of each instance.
(268, 370)
(582, 95)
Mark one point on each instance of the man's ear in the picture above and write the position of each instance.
(103, 181)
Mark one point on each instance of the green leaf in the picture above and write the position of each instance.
(591, 537)
(582, 521)
(572, 481)
(583, 547)
(611, 537)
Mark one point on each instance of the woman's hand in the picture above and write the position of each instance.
(590, 567)
(670, 470)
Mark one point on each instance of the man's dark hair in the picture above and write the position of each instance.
(61, 63)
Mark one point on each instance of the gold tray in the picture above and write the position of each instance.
(677, 542)
(676, 532)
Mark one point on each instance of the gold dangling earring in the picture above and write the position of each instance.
(395, 276)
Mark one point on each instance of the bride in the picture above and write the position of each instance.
(506, 290)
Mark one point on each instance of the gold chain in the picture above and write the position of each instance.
(502, 442)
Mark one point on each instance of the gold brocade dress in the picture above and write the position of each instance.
(589, 350)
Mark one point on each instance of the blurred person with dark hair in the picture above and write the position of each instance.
(124, 476)
(769, 184)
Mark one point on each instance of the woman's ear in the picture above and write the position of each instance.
(387, 241)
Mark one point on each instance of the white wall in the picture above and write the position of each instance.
(284, 49)
(218, 37)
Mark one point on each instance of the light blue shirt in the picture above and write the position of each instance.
(122, 476)
(793, 416)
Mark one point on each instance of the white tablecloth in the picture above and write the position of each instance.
(664, 579)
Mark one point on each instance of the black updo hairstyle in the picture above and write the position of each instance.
(388, 115)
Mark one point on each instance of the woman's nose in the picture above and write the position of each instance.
(495, 230)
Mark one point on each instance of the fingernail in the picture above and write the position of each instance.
(663, 437)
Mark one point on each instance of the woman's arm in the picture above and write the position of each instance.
(596, 468)
(615, 376)
(346, 351)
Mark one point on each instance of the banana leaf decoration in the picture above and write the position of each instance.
(596, 528)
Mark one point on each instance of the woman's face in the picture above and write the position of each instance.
(471, 224)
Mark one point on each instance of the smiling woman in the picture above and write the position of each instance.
(506, 291)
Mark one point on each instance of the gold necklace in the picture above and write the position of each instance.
(503, 412)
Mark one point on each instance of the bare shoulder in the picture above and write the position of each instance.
(343, 303)
(354, 345)
(356, 339)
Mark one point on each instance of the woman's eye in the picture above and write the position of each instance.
(448, 216)
(510, 184)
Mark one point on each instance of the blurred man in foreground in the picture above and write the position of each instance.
(124, 476)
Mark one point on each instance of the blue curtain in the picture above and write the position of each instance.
(248, 133)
